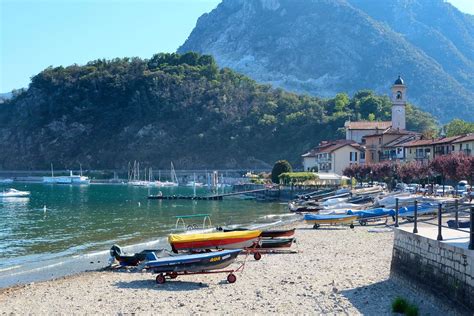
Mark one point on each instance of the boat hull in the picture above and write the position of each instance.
(329, 219)
(194, 263)
(276, 243)
(225, 240)
(268, 233)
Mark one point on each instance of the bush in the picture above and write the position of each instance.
(281, 166)
(399, 305)
(411, 310)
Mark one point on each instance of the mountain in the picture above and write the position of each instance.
(171, 107)
(323, 47)
(5, 96)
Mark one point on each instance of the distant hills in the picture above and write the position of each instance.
(323, 47)
(180, 108)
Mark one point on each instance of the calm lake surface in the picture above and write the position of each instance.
(81, 222)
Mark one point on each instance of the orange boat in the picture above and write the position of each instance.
(220, 240)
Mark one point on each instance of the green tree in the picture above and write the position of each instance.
(281, 166)
(458, 127)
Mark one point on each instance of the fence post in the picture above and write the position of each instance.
(396, 212)
(440, 237)
(471, 239)
(456, 208)
(415, 227)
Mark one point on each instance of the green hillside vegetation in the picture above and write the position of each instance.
(179, 108)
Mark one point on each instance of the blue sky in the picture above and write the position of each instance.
(35, 34)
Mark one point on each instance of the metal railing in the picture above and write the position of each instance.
(446, 208)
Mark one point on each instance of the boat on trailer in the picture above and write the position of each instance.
(201, 263)
(318, 220)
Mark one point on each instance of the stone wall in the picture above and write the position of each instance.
(439, 268)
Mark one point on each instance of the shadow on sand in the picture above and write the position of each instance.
(173, 285)
(377, 298)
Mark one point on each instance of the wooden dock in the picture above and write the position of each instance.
(215, 197)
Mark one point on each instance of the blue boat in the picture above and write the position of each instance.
(423, 208)
(318, 220)
(373, 213)
(199, 263)
(365, 216)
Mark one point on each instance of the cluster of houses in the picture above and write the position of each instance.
(372, 142)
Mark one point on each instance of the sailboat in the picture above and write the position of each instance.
(174, 179)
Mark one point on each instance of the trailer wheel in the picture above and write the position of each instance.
(173, 275)
(257, 256)
(352, 226)
(160, 278)
(316, 226)
(231, 278)
(363, 222)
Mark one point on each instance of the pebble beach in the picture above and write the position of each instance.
(337, 270)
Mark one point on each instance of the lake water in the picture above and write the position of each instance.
(81, 223)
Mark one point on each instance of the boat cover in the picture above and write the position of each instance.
(186, 238)
(315, 217)
(377, 212)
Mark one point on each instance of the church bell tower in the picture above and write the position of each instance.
(399, 104)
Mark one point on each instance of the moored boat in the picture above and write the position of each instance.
(220, 240)
(14, 193)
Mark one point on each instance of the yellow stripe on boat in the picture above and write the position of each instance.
(332, 221)
(176, 238)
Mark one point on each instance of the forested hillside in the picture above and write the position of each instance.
(179, 108)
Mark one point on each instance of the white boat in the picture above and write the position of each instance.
(4, 181)
(14, 193)
(194, 184)
(174, 179)
(71, 179)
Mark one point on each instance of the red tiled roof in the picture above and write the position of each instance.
(419, 142)
(330, 146)
(435, 141)
(368, 125)
(465, 138)
(393, 131)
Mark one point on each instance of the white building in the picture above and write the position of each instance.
(333, 156)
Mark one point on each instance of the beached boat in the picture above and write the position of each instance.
(265, 233)
(318, 220)
(220, 240)
(201, 263)
(377, 212)
(14, 193)
(422, 209)
(276, 243)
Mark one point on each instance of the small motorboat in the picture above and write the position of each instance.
(461, 224)
(422, 209)
(220, 240)
(318, 220)
(200, 263)
(14, 193)
(364, 216)
(276, 243)
(265, 233)
(129, 259)
(6, 181)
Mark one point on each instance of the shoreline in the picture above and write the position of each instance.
(57, 268)
(336, 270)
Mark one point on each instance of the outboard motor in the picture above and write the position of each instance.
(115, 251)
